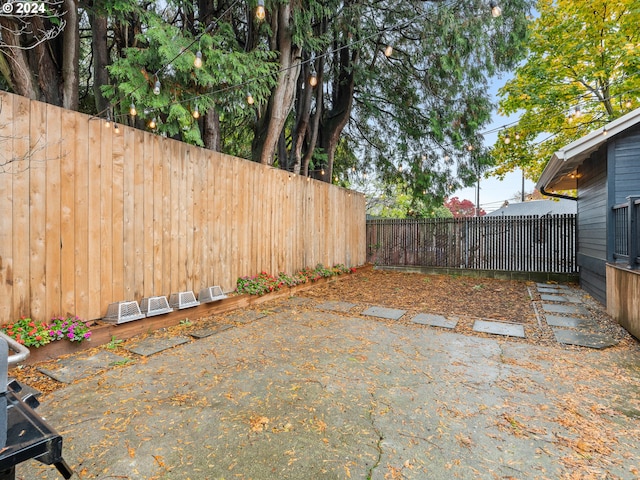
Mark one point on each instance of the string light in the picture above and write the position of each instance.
(197, 62)
(116, 128)
(322, 172)
(196, 112)
(250, 99)
(604, 131)
(517, 135)
(507, 139)
(260, 11)
(156, 87)
(470, 147)
(496, 11)
(107, 122)
(313, 79)
(132, 110)
(388, 51)
(153, 124)
(628, 103)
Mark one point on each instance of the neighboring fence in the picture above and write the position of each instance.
(626, 228)
(92, 216)
(522, 244)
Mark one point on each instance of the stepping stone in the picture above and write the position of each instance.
(499, 328)
(248, 316)
(382, 312)
(207, 332)
(336, 306)
(435, 320)
(549, 290)
(569, 322)
(552, 286)
(155, 345)
(568, 309)
(73, 368)
(583, 339)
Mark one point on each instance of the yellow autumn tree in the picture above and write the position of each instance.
(581, 72)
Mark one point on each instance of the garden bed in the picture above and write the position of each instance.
(102, 333)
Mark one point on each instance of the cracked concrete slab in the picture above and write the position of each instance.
(328, 396)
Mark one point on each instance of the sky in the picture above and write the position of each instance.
(494, 192)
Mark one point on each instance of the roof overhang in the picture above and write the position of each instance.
(561, 171)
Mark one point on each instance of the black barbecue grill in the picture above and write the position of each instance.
(23, 433)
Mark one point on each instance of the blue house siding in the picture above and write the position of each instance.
(592, 225)
(626, 175)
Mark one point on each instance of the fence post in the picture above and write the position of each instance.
(632, 238)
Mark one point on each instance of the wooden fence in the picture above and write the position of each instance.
(522, 244)
(90, 216)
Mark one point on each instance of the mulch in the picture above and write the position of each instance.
(466, 298)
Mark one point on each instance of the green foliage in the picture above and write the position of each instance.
(581, 55)
(225, 65)
(264, 282)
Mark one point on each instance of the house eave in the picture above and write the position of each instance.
(561, 170)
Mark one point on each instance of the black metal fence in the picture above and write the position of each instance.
(626, 227)
(522, 244)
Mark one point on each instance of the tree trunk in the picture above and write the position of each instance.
(21, 78)
(336, 119)
(100, 59)
(211, 130)
(70, 52)
(301, 129)
(269, 127)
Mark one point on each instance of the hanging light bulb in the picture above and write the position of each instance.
(250, 99)
(132, 110)
(517, 135)
(570, 117)
(353, 169)
(196, 112)
(496, 11)
(470, 147)
(156, 87)
(578, 112)
(197, 62)
(116, 128)
(313, 79)
(322, 172)
(628, 103)
(153, 124)
(507, 139)
(604, 131)
(107, 122)
(260, 11)
(388, 51)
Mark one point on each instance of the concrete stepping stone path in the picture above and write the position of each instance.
(335, 306)
(207, 332)
(74, 368)
(499, 328)
(435, 320)
(584, 339)
(150, 346)
(383, 312)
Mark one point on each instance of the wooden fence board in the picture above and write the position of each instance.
(37, 217)
(523, 244)
(100, 217)
(6, 204)
(52, 212)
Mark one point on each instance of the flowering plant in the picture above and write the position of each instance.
(73, 329)
(27, 332)
(33, 333)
